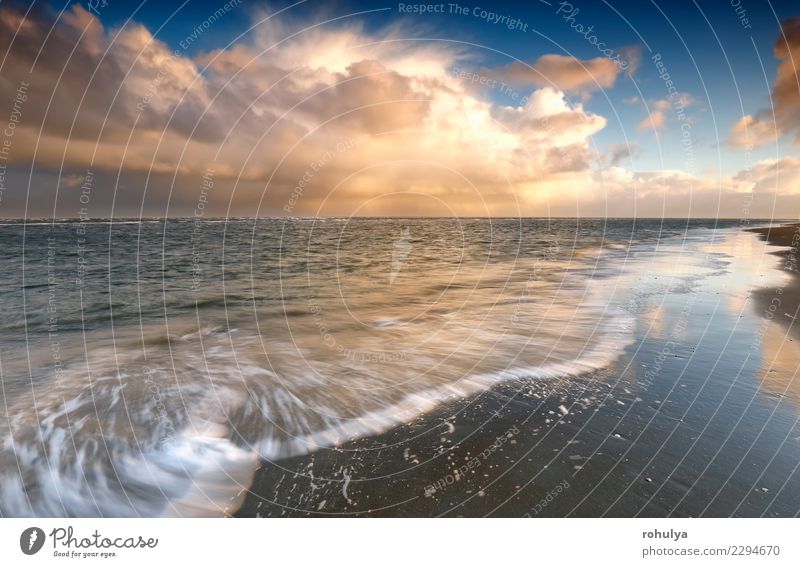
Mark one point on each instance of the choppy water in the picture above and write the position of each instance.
(148, 366)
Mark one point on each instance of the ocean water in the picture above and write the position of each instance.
(149, 367)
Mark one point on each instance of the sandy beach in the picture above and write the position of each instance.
(786, 236)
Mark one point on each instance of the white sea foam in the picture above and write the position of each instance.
(144, 440)
(181, 430)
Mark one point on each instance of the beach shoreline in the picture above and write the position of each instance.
(677, 426)
(694, 392)
(786, 236)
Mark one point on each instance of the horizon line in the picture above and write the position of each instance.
(325, 217)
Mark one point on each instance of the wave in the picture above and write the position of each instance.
(182, 434)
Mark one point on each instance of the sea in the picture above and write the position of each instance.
(173, 367)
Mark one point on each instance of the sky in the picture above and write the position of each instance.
(246, 108)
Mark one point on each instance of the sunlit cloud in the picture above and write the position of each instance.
(335, 119)
(783, 117)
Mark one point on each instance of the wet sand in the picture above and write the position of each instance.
(781, 345)
(691, 421)
(788, 237)
(781, 235)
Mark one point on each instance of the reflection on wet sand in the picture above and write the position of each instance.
(778, 373)
(779, 308)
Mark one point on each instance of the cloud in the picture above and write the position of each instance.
(620, 152)
(675, 105)
(334, 121)
(768, 189)
(750, 132)
(338, 117)
(566, 73)
(71, 180)
(784, 116)
(632, 54)
(786, 91)
(660, 109)
(654, 121)
(772, 176)
(678, 102)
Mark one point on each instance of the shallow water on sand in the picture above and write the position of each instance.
(682, 423)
